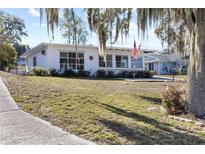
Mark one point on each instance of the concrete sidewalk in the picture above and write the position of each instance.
(168, 78)
(155, 79)
(19, 127)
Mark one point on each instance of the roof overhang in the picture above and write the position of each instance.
(153, 60)
(33, 50)
(44, 44)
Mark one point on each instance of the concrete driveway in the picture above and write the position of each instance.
(19, 127)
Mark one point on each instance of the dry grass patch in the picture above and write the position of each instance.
(103, 111)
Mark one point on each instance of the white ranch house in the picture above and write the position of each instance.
(64, 56)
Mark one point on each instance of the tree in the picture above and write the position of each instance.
(20, 48)
(11, 27)
(52, 17)
(7, 55)
(194, 24)
(104, 21)
(101, 21)
(74, 29)
(169, 32)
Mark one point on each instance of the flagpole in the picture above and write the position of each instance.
(134, 70)
(135, 60)
(134, 67)
(134, 56)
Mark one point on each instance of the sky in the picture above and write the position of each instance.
(37, 32)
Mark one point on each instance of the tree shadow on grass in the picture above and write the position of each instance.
(135, 116)
(160, 134)
(145, 136)
(152, 99)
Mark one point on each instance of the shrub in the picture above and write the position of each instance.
(125, 74)
(120, 75)
(83, 73)
(40, 71)
(182, 71)
(69, 73)
(147, 74)
(179, 72)
(138, 74)
(173, 100)
(100, 74)
(110, 74)
(54, 72)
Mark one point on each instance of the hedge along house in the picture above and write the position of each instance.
(64, 56)
(162, 63)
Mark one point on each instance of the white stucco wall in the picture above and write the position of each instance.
(41, 60)
(52, 57)
(91, 65)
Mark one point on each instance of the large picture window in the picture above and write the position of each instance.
(121, 61)
(71, 60)
(108, 61)
(137, 63)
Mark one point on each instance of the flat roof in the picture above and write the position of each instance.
(45, 44)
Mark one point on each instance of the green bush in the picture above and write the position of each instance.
(40, 71)
(147, 74)
(173, 100)
(110, 74)
(100, 74)
(138, 74)
(125, 74)
(179, 72)
(69, 73)
(54, 72)
(83, 73)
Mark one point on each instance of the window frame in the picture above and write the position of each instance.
(151, 65)
(109, 61)
(43, 52)
(136, 62)
(78, 61)
(121, 61)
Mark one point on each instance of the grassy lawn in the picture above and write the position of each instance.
(103, 111)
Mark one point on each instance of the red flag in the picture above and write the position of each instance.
(135, 51)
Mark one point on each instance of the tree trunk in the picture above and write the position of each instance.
(196, 74)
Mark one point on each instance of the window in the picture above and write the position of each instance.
(151, 66)
(43, 52)
(71, 60)
(63, 60)
(80, 61)
(108, 61)
(121, 61)
(34, 61)
(137, 63)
